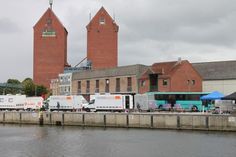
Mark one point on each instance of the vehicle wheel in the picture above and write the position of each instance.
(160, 107)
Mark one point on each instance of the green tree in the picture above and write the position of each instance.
(28, 87)
(13, 81)
(13, 86)
(40, 90)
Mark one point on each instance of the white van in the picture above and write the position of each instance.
(66, 103)
(115, 102)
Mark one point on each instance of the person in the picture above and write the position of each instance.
(58, 106)
(138, 107)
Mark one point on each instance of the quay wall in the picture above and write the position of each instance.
(125, 120)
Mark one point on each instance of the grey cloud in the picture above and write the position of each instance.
(7, 26)
(188, 22)
(150, 30)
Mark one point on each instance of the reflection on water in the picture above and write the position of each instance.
(47, 141)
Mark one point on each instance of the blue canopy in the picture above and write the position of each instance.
(212, 96)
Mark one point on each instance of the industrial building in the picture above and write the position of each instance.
(50, 48)
(133, 79)
(218, 76)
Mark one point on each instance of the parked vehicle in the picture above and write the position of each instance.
(12, 102)
(115, 102)
(33, 103)
(225, 106)
(144, 103)
(66, 103)
(187, 101)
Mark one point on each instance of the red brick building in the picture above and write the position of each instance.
(178, 76)
(50, 48)
(102, 34)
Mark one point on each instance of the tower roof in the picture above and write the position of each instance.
(50, 13)
(104, 13)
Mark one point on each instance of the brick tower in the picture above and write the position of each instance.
(50, 48)
(102, 34)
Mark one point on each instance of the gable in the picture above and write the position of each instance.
(102, 19)
(48, 20)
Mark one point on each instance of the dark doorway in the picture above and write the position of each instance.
(153, 82)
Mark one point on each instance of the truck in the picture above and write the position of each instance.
(33, 103)
(66, 103)
(12, 102)
(225, 106)
(116, 102)
(144, 103)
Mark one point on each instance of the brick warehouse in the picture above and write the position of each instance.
(133, 79)
(102, 34)
(50, 48)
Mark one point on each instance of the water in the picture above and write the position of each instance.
(47, 141)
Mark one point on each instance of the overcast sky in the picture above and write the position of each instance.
(149, 30)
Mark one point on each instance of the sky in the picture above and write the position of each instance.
(149, 31)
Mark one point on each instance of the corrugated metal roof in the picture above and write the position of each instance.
(221, 70)
(137, 70)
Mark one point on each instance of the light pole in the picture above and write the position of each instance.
(35, 90)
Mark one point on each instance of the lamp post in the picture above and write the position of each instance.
(35, 90)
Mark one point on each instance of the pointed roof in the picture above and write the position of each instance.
(230, 97)
(166, 69)
(218, 70)
(102, 11)
(50, 12)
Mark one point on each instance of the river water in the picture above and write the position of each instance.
(52, 141)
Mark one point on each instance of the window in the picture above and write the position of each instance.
(165, 82)
(79, 87)
(188, 82)
(193, 82)
(97, 86)
(117, 84)
(102, 21)
(107, 82)
(129, 84)
(142, 83)
(88, 86)
(49, 21)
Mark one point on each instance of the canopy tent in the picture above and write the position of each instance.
(230, 97)
(212, 96)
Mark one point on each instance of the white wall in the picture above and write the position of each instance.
(224, 86)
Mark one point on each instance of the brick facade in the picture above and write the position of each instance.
(102, 83)
(177, 76)
(102, 36)
(50, 49)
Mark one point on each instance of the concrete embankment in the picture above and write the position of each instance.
(125, 120)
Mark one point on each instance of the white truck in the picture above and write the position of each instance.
(66, 103)
(33, 103)
(225, 106)
(144, 103)
(12, 102)
(115, 102)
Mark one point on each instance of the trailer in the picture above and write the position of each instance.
(12, 102)
(144, 103)
(115, 102)
(33, 103)
(225, 106)
(66, 103)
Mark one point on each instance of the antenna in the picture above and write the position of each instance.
(89, 17)
(114, 16)
(50, 3)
